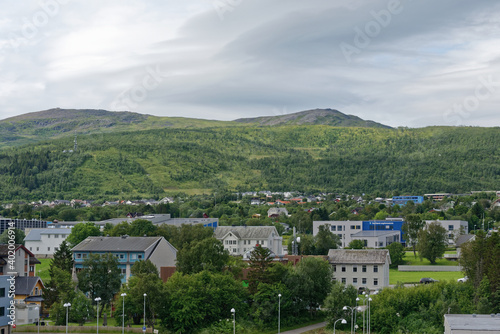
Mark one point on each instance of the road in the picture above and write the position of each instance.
(305, 329)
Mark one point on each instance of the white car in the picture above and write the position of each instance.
(463, 279)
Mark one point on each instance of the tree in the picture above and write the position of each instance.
(80, 309)
(411, 228)
(326, 240)
(61, 287)
(63, 258)
(339, 296)
(311, 281)
(179, 237)
(431, 242)
(142, 227)
(18, 236)
(397, 253)
(144, 267)
(207, 254)
(100, 277)
(120, 229)
(356, 244)
(81, 231)
(260, 261)
(197, 301)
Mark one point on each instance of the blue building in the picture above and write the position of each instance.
(5, 303)
(402, 200)
(386, 225)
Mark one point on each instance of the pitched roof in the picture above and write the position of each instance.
(26, 284)
(35, 234)
(358, 256)
(246, 232)
(116, 244)
(464, 238)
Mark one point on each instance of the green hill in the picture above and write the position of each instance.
(152, 163)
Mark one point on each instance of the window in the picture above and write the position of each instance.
(354, 280)
(363, 280)
(363, 268)
(139, 256)
(37, 249)
(78, 255)
(32, 268)
(2, 313)
(48, 236)
(133, 256)
(375, 269)
(354, 269)
(450, 236)
(31, 249)
(124, 271)
(334, 268)
(450, 227)
(234, 250)
(333, 228)
(122, 256)
(56, 248)
(48, 249)
(339, 227)
(375, 281)
(343, 280)
(343, 269)
(2, 292)
(85, 255)
(36, 291)
(56, 236)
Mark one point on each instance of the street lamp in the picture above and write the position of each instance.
(233, 311)
(369, 316)
(279, 312)
(345, 308)
(335, 323)
(38, 322)
(144, 327)
(123, 312)
(97, 300)
(67, 305)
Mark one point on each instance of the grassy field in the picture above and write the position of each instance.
(396, 276)
(42, 270)
(412, 261)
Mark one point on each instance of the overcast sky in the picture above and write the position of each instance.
(401, 63)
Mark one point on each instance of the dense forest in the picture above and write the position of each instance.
(153, 163)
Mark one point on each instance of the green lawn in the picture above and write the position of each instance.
(396, 276)
(412, 261)
(42, 270)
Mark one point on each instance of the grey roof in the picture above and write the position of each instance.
(26, 284)
(374, 233)
(116, 244)
(479, 322)
(463, 239)
(35, 234)
(246, 232)
(358, 256)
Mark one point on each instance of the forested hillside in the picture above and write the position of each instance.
(153, 163)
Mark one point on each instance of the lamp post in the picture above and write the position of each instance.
(233, 311)
(279, 312)
(345, 308)
(144, 327)
(335, 323)
(67, 305)
(97, 300)
(123, 312)
(38, 322)
(369, 316)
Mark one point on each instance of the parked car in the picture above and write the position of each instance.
(427, 280)
(463, 279)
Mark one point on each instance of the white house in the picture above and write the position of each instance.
(454, 228)
(239, 240)
(368, 268)
(45, 241)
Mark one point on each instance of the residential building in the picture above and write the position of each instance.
(402, 200)
(4, 304)
(471, 324)
(45, 242)
(367, 268)
(240, 240)
(127, 250)
(28, 299)
(276, 212)
(17, 260)
(21, 224)
(454, 228)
